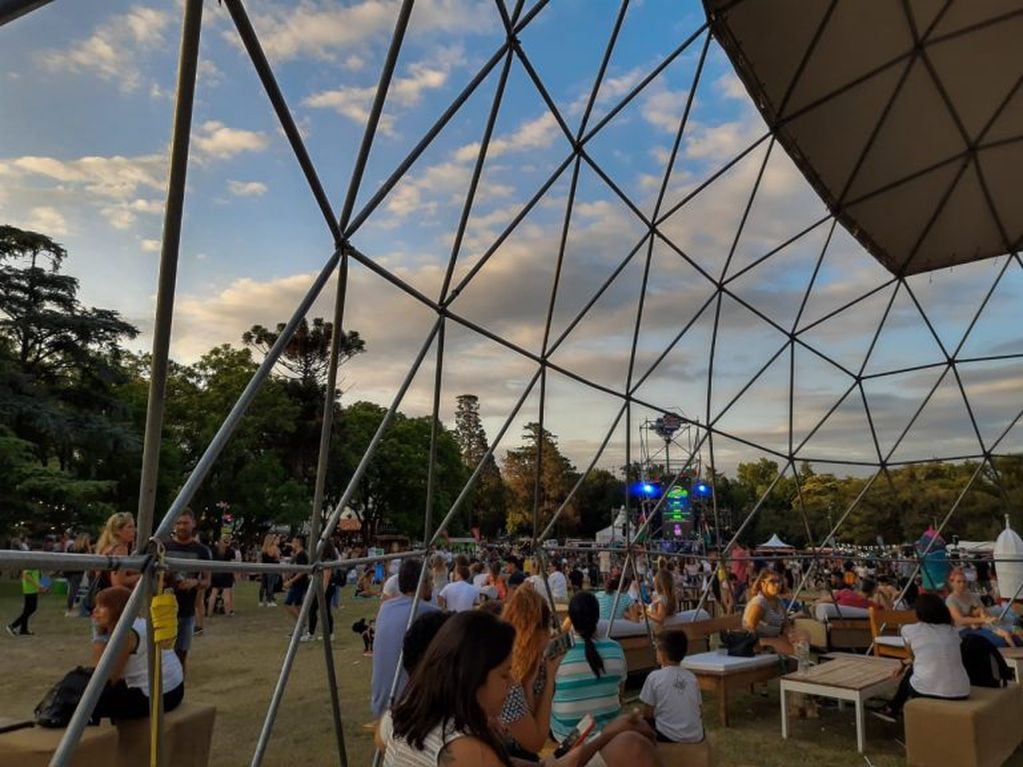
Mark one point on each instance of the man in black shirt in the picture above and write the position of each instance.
(184, 545)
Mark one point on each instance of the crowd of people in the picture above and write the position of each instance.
(502, 658)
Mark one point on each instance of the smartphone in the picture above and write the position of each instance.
(579, 734)
(559, 645)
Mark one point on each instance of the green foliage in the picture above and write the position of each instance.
(486, 505)
(557, 476)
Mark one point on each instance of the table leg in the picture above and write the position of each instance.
(860, 724)
(784, 714)
(723, 702)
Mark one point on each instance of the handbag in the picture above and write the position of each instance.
(740, 644)
(60, 702)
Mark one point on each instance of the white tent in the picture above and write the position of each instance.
(614, 534)
(776, 543)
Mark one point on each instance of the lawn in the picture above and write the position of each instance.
(235, 664)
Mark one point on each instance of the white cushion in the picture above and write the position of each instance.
(890, 641)
(720, 660)
(625, 628)
(825, 611)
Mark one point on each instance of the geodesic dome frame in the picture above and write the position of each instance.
(720, 281)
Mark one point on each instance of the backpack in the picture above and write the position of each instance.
(983, 663)
(57, 706)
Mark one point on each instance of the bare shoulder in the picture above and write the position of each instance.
(467, 751)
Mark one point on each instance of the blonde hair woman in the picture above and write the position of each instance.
(117, 540)
(664, 604)
(525, 716)
(765, 613)
(270, 553)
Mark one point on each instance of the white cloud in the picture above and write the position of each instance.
(113, 178)
(217, 141)
(354, 102)
(246, 188)
(112, 51)
(151, 246)
(730, 86)
(354, 63)
(47, 220)
(323, 30)
(663, 109)
(538, 133)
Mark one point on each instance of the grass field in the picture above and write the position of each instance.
(235, 664)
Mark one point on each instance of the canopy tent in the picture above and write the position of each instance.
(775, 544)
(614, 534)
(904, 116)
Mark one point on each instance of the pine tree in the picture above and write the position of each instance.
(487, 505)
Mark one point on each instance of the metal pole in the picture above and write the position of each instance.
(12, 9)
(188, 62)
(227, 428)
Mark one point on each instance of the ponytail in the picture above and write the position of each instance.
(584, 612)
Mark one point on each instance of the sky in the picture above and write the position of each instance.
(86, 100)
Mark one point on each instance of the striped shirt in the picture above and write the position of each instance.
(577, 691)
(607, 601)
(400, 753)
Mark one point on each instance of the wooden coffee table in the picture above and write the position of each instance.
(1014, 657)
(852, 678)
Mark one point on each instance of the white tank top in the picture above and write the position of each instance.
(136, 670)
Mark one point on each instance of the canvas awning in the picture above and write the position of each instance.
(775, 543)
(905, 115)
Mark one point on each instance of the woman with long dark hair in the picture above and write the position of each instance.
(457, 688)
(591, 674)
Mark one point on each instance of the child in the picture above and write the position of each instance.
(368, 632)
(671, 695)
(30, 588)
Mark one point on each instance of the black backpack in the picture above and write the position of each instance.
(984, 664)
(57, 706)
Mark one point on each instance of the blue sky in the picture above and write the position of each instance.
(87, 92)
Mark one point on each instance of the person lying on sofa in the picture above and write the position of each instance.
(864, 597)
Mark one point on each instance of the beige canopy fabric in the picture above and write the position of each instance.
(905, 115)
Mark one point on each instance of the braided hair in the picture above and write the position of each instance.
(584, 612)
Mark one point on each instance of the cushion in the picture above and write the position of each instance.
(888, 641)
(721, 661)
(824, 611)
(625, 628)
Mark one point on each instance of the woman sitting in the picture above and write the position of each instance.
(525, 717)
(968, 613)
(664, 604)
(459, 686)
(126, 695)
(765, 614)
(937, 670)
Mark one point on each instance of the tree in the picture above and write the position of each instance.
(486, 504)
(556, 479)
(392, 492)
(600, 493)
(61, 366)
(307, 354)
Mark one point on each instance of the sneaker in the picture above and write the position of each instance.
(10, 630)
(307, 638)
(271, 604)
(886, 715)
(198, 631)
(262, 604)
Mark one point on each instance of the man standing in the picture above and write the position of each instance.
(392, 619)
(297, 584)
(459, 595)
(183, 545)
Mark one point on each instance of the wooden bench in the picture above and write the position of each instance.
(982, 731)
(188, 735)
(639, 652)
(702, 754)
(33, 747)
(722, 675)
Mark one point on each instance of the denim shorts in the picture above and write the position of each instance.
(186, 628)
(295, 596)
